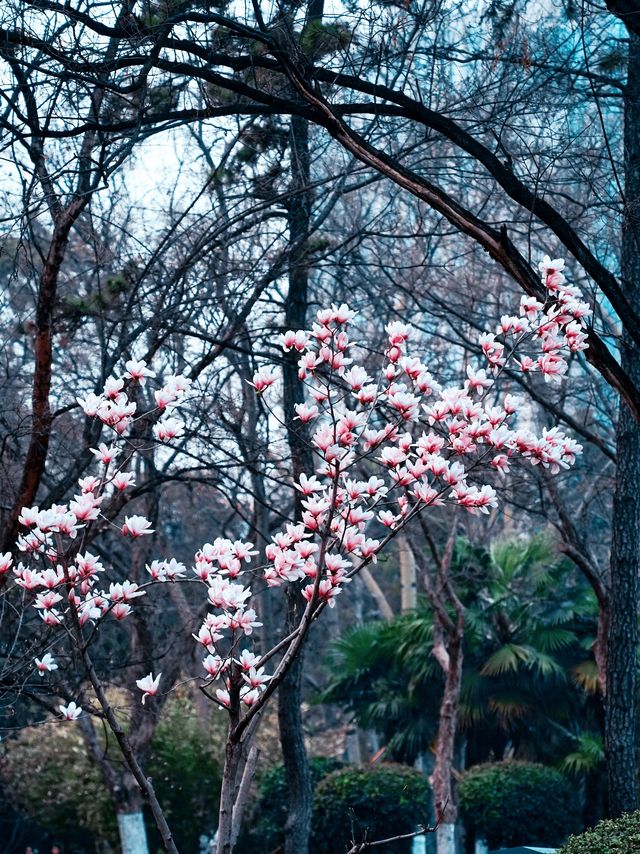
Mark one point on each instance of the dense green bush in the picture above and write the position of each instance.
(263, 829)
(618, 836)
(54, 787)
(511, 803)
(370, 803)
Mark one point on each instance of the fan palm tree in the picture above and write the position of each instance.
(529, 678)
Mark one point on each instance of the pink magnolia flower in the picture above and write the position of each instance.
(90, 404)
(245, 620)
(122, 480)
(47, 600)
(249, 696)
(70, 712)
(51, 617)
(173, 569)
(294, 340)
(136, 526)
(124, 592)
(256, 678)
(27, 578)
(356, 377)
(247, 659)
(223, 697)
(120, 610)
(398, 332)
(88, 565)
(552, 366)
(178, 384)
(138, 371)
(214, 665)
(477, 380)
(89, 483)
(86, 507)
(46, 664)
(113, 387)
(168, 428)
(104, 454)
(263, 379)
(28, 516)
(308, 485)
(156, 570)
(149, 685)
(164, 397)
(306, 413)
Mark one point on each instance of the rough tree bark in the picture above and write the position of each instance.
(620, 718)
(448, 639)
(36, 456)
(294, 754)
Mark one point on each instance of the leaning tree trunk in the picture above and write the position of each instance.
(620, 721)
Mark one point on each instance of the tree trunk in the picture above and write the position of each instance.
(133, 834)
(296, 765)
(620, 722)
(294, 755)
(408, 585)
(224, 833)
(446, 838)
(36, 456)
(442, 776)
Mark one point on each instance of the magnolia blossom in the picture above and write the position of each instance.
(70, 712)
(263, 379)
(120, 610)
(138, 371)
(149, 685)
(123, 480)
(136, 526)
(168, 428)
(46, 664)
(124, 592)
(105, 454)
(223, 697)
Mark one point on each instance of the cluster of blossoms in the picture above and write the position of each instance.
(115, 409)
(55, 570)
(387, 447)
(218, 565)
(554, 328)
(358, 421)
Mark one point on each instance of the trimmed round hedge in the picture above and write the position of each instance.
(370, 803)
(614, 836)
(514, 803)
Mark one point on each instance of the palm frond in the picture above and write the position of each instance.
(585, 674)
(508, 658)
(587, 756)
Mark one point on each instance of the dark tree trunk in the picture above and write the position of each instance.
(36, 456)
(294, 754)
(620, 724)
